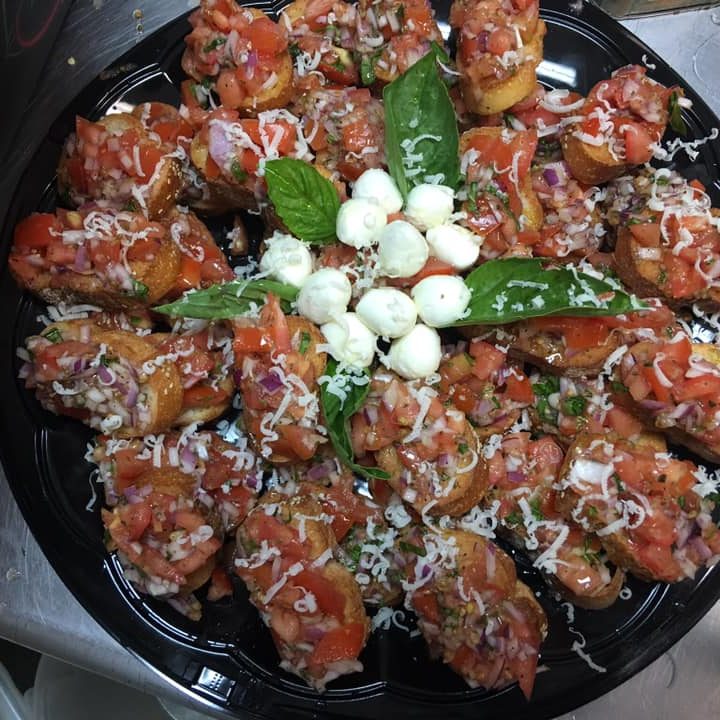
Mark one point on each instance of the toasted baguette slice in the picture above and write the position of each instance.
(155, 195)
(494, 96)
(532, 210)
(591, 164)
(464, 489)
(648, 278)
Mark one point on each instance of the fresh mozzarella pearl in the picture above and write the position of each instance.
(441, 299)
(377, 185)
(324, 296)
(287, 259)
(360, 222)
(417, 354)
(350, 340)
(387, 312)
(429, 205)
(402, 250)
(454, 245)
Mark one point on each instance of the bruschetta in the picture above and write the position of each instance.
(311, 602)
(641, 503)
(241, 54)
(278, 365)
(203, 359)
(429, 450)
(581, 346)
(227, 152)
(114, 259)
(622, 120)
(500, 45)
(523, 473)
(225, 479)
(491, 390)
(162, 534)
(346, 130)
(116, 161)
(465, 592)
(112, 380)
(673, 387)
(667, 241)
(322, 36)
(502, 206)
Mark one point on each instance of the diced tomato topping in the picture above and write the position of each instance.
(329, 599)
(199, 396)
(426, 605)
(135, 517)
(698, 388)
(578, 333)
(37, 231)
(519, 390)
(647, 234)
(343, 643)
(488, 359)
(638, 142)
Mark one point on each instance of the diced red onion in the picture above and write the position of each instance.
(700, 546)
(371, 414)
(271, 382)
(318, 472)
(551, 177)
(515, 476)
(651, 404)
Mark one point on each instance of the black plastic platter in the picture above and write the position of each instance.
(228, 659)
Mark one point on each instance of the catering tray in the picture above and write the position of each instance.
(228, 659)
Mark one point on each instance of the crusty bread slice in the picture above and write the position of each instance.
(495, 96)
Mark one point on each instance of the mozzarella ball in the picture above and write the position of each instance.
(377, 185)
(402, 250)
(387, 312)
(417, 354)
(324, 296)
(429, 205)
(441, 299)
(454, 245)
(287, 259)
(360, 222)
(350, 340)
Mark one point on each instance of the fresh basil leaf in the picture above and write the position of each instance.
(505, 291)
(306, 202)
(421, 130)
(337, 413)
(140, 289)
(676, 120)
(228, 300)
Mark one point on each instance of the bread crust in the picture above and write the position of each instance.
(493, 95)
(590, 164)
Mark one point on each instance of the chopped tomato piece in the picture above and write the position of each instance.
(330, 600)
(426, 605)
(697, 388)
(37, 231)
(202, 396)
(343, 643)
(135, 517)
(519, 390)
(647, 234)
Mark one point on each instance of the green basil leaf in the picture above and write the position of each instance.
(420, 123)
(337, 415)
(228, 300)
(676, 119)
(306, 202)
(367, 67)
(505, 291)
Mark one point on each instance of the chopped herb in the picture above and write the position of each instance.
(214, 44)
(713, 497)
(104, 360)
(662, 277)
(130, 206)
(354, 552)
(590, 557)
(592, 511)
(140, 289)
(618, 482)
(400, 14)
(135, 321)
(53, 335)
(508, 119)
(409, 547)
(294, 50)
(238, 171)
(207, 82)
(304, 342)
(681, 501)
(503, 197)
(617, 386)
(676, 120)
(472, 196)
(462, 448)
(549, 385)
(495, 402)
(575, 405)
(332, 139)
(367, 67)
(514, 518)
(634, 221)
(535, 508)
(662, 180)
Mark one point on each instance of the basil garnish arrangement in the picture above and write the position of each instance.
(306, 202)
(505, 291)
(228, 300)
(337, 413)
(421, 133)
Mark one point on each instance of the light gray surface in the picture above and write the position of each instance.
(36, 609)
